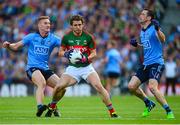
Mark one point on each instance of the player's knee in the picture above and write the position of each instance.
(98, 88)
(131, 87)
(42, 85)
(64, 90)
(58, 88)
(152, 88)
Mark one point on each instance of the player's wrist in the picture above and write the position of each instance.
(84, 59)
(133, 42)
(9, 47)
(157, 28)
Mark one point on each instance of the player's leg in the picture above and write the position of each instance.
(174, 85)
(114, 82)
(155, 73)
(52, 82)
(153, 86)
(167, 86)
(59, 91)
(108, 85)
(134, 88)
(65, 81)
(112, 79)
(94, 80)
(39, 80)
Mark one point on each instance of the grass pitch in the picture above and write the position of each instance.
(86, 110)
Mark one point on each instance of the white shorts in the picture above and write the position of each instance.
(80, 72)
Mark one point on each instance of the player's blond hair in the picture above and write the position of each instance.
(42, 17)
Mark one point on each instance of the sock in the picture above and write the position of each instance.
(167, 108)
(110, 108)
(39, 106)
(53, 104)
(146, 101)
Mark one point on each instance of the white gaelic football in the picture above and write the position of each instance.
(75, 56)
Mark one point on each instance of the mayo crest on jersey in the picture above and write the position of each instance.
(152, 46)
(39, 49)
(85, 43)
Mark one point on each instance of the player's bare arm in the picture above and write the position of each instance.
(161, 36)
(61, 51)
(92, 55)
(12, 46)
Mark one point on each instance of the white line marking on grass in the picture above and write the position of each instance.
(86, 118)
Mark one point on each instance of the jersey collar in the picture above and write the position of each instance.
(147, 27)
(40, 34)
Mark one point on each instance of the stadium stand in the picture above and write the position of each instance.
(106, 20)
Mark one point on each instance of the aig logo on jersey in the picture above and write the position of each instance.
(41, 50)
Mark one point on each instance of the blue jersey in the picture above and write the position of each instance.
(39, 49)
(152, 46)
(113, 63)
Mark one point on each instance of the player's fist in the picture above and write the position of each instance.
(133, 42)
(83, 60)
(156, 24)
(6, 44)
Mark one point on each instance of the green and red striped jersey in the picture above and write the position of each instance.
(85, 43)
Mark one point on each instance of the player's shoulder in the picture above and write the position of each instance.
(32, 34)
(55, 36)
(67, 34)
(88, 34)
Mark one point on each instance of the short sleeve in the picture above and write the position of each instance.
(92, 44)
(26, 40)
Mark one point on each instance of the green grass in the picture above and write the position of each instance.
(86, 110)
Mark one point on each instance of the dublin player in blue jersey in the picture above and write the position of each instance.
(151, 39)
(112, 65)
(40, 45)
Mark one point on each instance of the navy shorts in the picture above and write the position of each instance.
(113, 75)
(153, 71)
(45, 73)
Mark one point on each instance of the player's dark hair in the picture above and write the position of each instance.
(42, 17)
(76, 18)
(150, 13)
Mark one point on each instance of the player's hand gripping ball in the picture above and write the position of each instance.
(75, 56)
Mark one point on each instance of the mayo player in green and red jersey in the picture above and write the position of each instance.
(83, 69)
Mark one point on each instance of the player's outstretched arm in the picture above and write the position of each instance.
(12, 46)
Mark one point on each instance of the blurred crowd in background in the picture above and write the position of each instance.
(107, 20)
